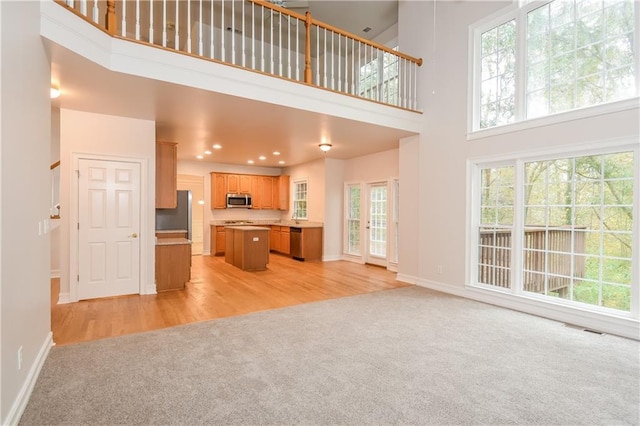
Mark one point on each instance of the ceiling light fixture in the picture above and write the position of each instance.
(280, 162)
(262, 157)
(199, 157)
(217, 146)
(276, 152)
(55, 92)
(250, 161)
(325, 146)
(208, 152)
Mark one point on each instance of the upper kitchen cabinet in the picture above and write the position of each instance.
(282, 192)
(239, 184)
(166, 175)
(267, 192)
(218, 191)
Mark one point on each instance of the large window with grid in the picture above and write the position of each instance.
(353, 204)
(573, 54)
(560, 228)
(300, 199)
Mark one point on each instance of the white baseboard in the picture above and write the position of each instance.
(351, 258)
(150, 289)
(25, 393)
(331, 258)
(619, 326)
(64, 298)
(55, 273)
(409, 279)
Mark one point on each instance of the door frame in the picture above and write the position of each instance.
(147, 222)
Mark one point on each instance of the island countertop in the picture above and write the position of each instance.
(247, 228)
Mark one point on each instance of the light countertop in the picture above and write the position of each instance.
(247, 228)
(172, 241)
(267, 222)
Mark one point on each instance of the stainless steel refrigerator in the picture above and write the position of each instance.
(178, 218)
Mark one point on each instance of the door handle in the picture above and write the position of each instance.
(134, 235)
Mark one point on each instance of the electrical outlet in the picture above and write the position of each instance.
(439, 269)
(20, 358)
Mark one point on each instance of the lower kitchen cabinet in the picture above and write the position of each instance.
(279, 239)
(173, 263)
(217, 240)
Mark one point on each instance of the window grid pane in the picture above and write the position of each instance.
(497, 75)
(300, 200)
(378, 218)
(496, 226)
(579, 54)
(353, 220)
(578, 229)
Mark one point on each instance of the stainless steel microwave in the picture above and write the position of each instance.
(238, 201)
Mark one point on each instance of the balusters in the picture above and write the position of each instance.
(151, 40)
(137, 27)
(95, 11)
(347, 64)
(124, 18)
(176, 43)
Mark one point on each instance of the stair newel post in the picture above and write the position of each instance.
(307, 49)
(110, 17)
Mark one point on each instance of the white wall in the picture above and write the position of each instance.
(443, 146)
(376, 167)
(333, 209)
(24, 197)
(314, 172)
(109, 136)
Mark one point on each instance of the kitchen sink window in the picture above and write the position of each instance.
(300, 199)
(353, 194)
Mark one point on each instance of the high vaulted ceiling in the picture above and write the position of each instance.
(247, 129)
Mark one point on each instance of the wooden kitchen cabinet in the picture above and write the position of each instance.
(274, 238)
(239, 184)
(217, 240)
(166, 175)
(282, 193)
(256, 195)
(266, 191)
(218, 191)
(285, 240)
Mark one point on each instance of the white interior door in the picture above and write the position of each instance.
(376, 229)
(108, 228)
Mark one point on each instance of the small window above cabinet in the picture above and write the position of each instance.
(166, 175)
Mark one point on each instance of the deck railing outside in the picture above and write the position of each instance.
(548, 253)
(263, 37)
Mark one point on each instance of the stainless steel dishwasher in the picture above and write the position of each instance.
(296, 243)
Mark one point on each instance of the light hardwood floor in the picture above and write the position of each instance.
(216, 290)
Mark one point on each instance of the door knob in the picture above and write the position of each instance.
(134, 235)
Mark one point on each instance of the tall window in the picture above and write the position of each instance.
(576, 53)
(497, 75)
(300, 199)
(575, 238)
(353, 219)
(378, 220)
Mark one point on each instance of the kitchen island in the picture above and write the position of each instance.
(247, 247)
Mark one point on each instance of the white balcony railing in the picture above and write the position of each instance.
(263, 37)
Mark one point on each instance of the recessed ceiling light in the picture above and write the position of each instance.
(217, 146)
(208, 152)
(55, 92)
(199, 157)
(250, 161)
(262, 157)
(280, 162)
(276, 152)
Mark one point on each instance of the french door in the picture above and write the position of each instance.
(376, 228)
